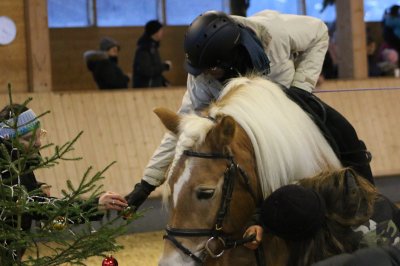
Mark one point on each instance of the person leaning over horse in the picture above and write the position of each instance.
(288, 49)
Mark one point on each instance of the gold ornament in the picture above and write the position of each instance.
(59, 223)
(127, 213)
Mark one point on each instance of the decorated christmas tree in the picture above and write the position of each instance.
(23, 199)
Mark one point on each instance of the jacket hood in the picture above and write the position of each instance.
(92, 57)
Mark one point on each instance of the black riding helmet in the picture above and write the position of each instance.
(214, 39)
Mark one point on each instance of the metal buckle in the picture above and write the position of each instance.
(210, 252)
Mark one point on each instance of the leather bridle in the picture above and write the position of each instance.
(216, 233)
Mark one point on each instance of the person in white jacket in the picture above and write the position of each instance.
(287, 49)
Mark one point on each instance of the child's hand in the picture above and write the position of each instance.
(45, 189)
(258, 232)
(112, 201)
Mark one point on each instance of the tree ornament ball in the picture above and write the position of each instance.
(127, 213)
(59, 223)
(109, 261)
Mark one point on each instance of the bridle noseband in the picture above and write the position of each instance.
(216, 233)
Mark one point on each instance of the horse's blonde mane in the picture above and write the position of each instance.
(287, 143)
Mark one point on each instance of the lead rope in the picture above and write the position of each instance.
(260, 256)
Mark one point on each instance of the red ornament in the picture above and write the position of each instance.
(109, 261)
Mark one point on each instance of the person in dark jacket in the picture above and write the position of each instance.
(335, 212)
(147, 64)
(104, 65)
(27, 140)
(391, 27)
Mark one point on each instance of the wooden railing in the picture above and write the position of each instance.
(120, 126)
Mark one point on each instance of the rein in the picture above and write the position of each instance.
(216, 233)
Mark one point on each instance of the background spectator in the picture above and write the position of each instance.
(391, 27)
(373, 68)
(147, 64)
(330, 66)
(388, 61)
(104, 65)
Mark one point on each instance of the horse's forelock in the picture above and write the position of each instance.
(193, 130)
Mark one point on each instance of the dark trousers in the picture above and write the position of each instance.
(338, 131)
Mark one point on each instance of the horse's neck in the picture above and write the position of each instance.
(287, 143)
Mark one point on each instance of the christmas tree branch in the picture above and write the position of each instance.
(58, 217)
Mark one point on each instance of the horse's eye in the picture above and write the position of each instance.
(204, 193)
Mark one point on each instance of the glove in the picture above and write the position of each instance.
(139, 194)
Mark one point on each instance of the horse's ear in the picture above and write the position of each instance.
(169, 118)
(224, 131)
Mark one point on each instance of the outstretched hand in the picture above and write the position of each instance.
(112, 201)
(258, 232)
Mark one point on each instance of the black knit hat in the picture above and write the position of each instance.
(293, 212)
(152, 27)
(107, 43)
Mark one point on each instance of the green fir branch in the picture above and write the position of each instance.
(73, 244)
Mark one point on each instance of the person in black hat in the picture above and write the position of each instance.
(147, 65)
(104, 65)
(288, 49)
(331, 213)
(298, 216)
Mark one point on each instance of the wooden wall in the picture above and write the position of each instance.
(120, 126)
(68, 45)
(117, 126)
(13, 57)
(342, 84)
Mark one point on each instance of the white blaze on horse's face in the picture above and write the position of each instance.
(181, 181)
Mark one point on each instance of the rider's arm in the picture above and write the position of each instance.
(154, 172)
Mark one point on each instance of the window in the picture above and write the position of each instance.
(63, 14)
(374, 9)
(283, 6)
(314, 7)
(109, 13)
(125, 13)
(183, 12)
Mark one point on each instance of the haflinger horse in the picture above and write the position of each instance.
(249, 142)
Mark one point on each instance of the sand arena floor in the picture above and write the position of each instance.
(140, 249)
